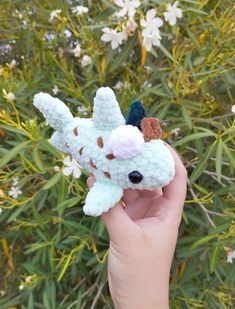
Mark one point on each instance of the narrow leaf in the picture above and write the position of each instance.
(219, 154)
(13, 152)
(52, 181)
(192, 137)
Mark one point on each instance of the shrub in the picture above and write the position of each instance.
(52, 256)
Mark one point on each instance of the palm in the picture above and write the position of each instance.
(139, 203)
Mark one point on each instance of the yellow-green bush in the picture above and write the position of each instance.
(51, 255)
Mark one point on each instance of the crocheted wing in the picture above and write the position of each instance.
(106, 111)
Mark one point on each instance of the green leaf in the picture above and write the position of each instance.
(10, 302)
(38, 246)
(218, 162)
(13, 152)
(192, 137)
(53, 181)
(37, 159)
(186, 116)
(230, 155)
(202, 241)
(166, 52)
(196, 11)
(214, 258)
(13, 129)
(202, 164)
(122, 57)
(225, 190)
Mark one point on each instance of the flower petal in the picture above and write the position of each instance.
(178, 13)
(150, 15)
(67, 170)
(76, 172)
(67, 161)
(158, 22)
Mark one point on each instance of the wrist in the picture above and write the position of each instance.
(154, 297)
(139, 304)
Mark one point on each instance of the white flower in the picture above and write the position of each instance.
(233, 109)
(119, 85)
(82, 110)
(151, 34)
(77, 51)
(176, 132)
(2, 293)
(131, 25)
(12, 64)
(21, 287)
(0, 211)
(15, 180)
(54, 14)
(111, 35)
(86, 60)
(151, 21)
(49, 37)
(146, 84)
(78, 10)
(56, 168)
(172, 13)
(55, 89)
(10, 97)
(128, 7)
(151, 38)
(67, 33)
(28, 279)
(230, 255)
(14, 192)
(72, 167)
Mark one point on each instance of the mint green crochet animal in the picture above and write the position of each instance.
(121, 156)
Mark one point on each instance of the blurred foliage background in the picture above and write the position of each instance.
(51, 254)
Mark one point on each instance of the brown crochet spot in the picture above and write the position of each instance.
(75, 131)
(80, 151)
(110, 156)
(92, 164)
(106, 174)
(100, 142)
(151, 128)
(67, 144)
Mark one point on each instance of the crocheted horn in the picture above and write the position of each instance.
(151, 128)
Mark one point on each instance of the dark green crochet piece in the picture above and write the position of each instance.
(135, 114)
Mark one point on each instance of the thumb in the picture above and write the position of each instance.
(117, 222)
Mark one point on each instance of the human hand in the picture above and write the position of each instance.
(142, 242)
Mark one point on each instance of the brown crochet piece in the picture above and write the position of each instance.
(75, 131)
(100, 142)
(110, 156)
(151, 128)
(106, 174)
(80, 151)
(92, 164)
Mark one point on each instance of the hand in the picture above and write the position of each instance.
(142, 242)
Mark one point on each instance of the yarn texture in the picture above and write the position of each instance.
(125, 141)
(106, 147)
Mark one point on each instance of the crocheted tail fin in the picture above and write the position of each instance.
(55, 111)
(106, 111)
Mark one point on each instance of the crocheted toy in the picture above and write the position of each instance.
(122, 154)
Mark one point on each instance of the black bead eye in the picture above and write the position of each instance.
(135, 177)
